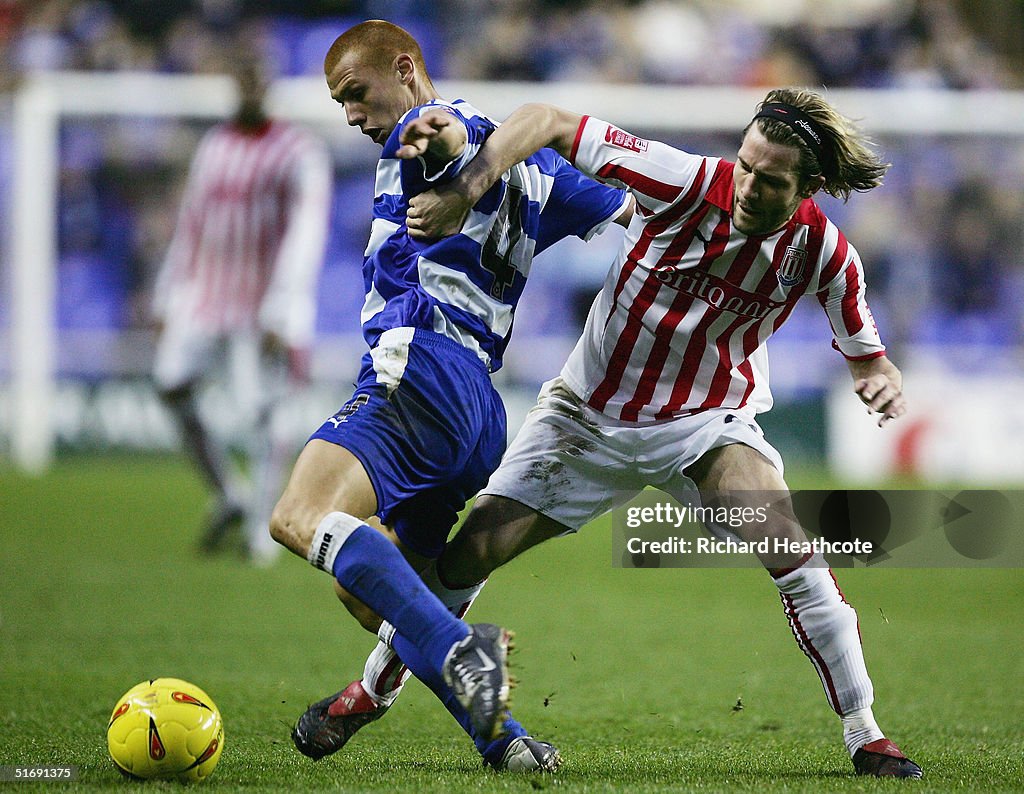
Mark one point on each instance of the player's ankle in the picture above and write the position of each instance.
(860, 728)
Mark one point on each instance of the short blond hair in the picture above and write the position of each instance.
(379, 42)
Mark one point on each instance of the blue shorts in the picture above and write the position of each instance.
(429, 436)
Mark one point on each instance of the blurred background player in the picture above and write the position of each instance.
(378, 487)
(235, 301)
(664, 385)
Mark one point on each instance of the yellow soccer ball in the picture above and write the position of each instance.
(165, 728)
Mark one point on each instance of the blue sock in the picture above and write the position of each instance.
(370, 567)
(493, 751)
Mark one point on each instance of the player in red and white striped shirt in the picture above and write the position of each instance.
(681, 323)
(236, 297)
(664, 385)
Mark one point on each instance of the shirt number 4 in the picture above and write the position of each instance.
(506, 233)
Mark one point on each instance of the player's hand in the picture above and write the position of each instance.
(272, 345)
(881, 395)
(418, 134)
(274, 348)
(437, 213)
(299, 365)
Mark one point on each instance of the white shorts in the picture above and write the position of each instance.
(573, 464)
(188, 356)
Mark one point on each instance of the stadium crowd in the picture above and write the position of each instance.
(940, 241)
(864, 43)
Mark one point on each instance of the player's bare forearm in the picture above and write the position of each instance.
(879, 384)
(532, 127)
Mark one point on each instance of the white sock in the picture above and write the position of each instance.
(269, 453)
(331, 533)
(859, 728)
(825, 628)
(384, 675)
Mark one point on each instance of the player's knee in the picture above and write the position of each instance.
(175, 396)
(289, 527)
(279, 525)
(367, 618)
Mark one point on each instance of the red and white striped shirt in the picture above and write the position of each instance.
(251, 233)
(681, 322)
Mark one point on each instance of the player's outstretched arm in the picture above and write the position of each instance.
(529, 128)
(879, 384)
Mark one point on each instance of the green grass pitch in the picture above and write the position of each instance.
(636, 675)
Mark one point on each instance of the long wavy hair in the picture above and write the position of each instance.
(855, 166)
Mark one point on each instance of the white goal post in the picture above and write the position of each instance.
(43, 100)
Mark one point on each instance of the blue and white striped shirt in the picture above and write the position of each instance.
(466, 286)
